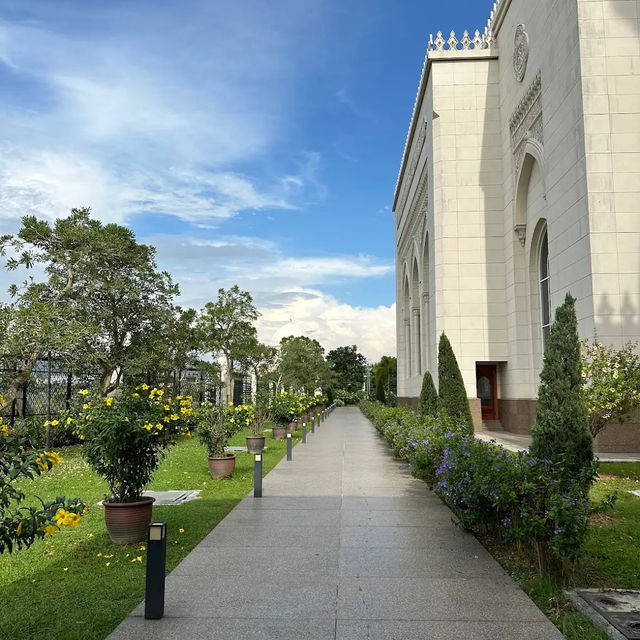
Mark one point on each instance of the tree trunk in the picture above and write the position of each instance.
(105, 380)
(21, 378)
(229, 380)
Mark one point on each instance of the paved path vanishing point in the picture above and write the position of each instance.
(344, 544)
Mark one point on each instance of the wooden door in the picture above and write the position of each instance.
(487, 388)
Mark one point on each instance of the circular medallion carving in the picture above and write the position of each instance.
(520, 52)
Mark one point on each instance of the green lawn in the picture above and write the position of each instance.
(78, 585)
(611, 557)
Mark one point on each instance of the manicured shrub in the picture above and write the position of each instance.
(453, 395)
(428, 404)
(561, 432)
(511, 496)
(380, 390)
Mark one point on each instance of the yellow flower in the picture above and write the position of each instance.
(99, 555)
(85, 406)
(142, 548)
(65, 568)
(148, 427)
(5, 429)
(175, 416)
(83, 392)
(159, 427)
(108, 564)
(50, 529)
(109, 401)
(54, 423)
(167, 407)
(69, 420)
(145, 386)
(166, 419)
(181, 530)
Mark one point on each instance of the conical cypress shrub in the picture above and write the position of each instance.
(428, 405)
(561, 433)
(453, 395)
(380, 390)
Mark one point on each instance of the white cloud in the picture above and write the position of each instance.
(139, 116)
(332, 323)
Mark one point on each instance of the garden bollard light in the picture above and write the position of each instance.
(313, 427)
(257, 475)
(156, 565)
(304, 432)
(289, 446)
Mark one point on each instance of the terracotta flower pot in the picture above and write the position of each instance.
(127, 522)
(292, 427)
(255, 444)
(279, 433)
(222, 467)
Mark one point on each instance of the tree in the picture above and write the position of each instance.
(348, 368)
(301, 365)
(386, 368)
(103, 301)
(561, 432)
(258, 358)
(428, 404)
(227, 328)
(453, 395)
(611, 389)
(380, 397)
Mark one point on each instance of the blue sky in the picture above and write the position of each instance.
(250, 142)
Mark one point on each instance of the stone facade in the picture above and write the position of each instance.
(520, 181)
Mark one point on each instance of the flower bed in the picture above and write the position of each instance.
(492, 490)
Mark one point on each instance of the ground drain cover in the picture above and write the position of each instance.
(170, 498)
(620, 608)
(239, 449)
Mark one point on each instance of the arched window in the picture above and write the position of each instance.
(545, 307)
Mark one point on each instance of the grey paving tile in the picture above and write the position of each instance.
(265, 561)
(209, 596)
(397, 503)
(408, 537)
(436, 562)
(292, 502)
(134, 628)
(433, 517)
(440, 630)
(496, 598)
(284, 517)
(314, 537)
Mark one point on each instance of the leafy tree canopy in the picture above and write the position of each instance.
(301, 365)
(348, 368)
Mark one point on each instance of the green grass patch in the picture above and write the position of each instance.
(78, 585)
(610, 556)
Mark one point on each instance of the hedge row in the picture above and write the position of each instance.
(491, 490)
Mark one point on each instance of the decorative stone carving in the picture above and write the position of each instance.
(526, 121)
(466, 43)
(520, 52)
(521, 231)
(411, 169)
(417, 217)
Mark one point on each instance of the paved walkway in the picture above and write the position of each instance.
(344, 544)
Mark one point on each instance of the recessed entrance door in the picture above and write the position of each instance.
(486, 385)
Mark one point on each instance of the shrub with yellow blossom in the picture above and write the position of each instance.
(286, 407)
(238, 417)
(20, 526)
(126, 437)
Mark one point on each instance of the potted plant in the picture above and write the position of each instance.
(213, 432)
(285, 407)
(256, 441)
(124, 440)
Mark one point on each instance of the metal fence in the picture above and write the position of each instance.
(53, 384)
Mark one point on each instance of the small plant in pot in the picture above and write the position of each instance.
(213, 432)
(285, 408)
(124, 440)
(256, 441)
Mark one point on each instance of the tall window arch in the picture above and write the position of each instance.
(545, 290)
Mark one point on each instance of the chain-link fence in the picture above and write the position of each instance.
(53, 384)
